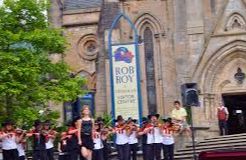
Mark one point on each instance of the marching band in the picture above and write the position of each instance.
(87, 139)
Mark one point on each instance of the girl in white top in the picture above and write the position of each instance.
(97, 153)
(157, 137)
(133, 140)
(168, 139)
(122, 139)
(9, 141)
(50, 138)
(21, 144)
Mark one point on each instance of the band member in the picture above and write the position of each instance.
(21, 144)
(9, 141)
(72, 141)
(122, 144)
(98, 144)
(133, 140)
(179, 116)
(85, 128)
(63, 147)
(143, 136)
(105, 132)
(50, 137)
(149, 131)
(158, 138)
(223, 115)
(168, 139)
(39, 141)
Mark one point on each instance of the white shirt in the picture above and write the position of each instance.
(20, 148)
(168, 138)
(158, 138)
(150, 135)
(49, 144)
(9, 142)
(133, 138)
(98, 144)
(121, 137)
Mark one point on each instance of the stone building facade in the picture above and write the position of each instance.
(182, 41)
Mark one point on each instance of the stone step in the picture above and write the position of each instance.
(223, 139)
(221, 146)
(211, 143)
(184, 156)
(236, 141)
(226, 137)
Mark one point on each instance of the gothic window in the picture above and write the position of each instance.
(150, 69)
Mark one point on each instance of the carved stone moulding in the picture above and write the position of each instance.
(236, 21)
(239, 76)
(87, 47)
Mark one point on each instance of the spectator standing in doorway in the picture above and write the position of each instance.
(223, 115)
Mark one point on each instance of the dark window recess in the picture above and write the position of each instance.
(150, 69)
(212, 4)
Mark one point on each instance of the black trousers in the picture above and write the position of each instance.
(149, 149)
(39, 155)
(105, 150)
(11, 154)
(97, 154)
(123, 151)
(133, 151)
(157, 151)
(223, 127)
(74, 154)
(64, 156)
(50, 153)
(168, 152)
(144, 149)
(22, 158)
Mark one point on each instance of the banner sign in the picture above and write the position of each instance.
(125, 80)
(125, 74)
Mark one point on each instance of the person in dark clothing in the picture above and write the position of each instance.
(63, 147)
(85, 127)
(74, 148)
(39, 140)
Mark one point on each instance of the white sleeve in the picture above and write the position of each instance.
(226, 111)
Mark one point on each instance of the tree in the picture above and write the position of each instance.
(28, 78)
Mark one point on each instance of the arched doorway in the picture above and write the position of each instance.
(236, 104)
(217, 82)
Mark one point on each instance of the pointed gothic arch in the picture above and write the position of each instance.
(149, 30)
(206, 73)
(235, 21)
(147, 18)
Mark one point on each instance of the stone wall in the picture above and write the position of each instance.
(194, 41)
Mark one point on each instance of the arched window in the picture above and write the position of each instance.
(150, 69)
